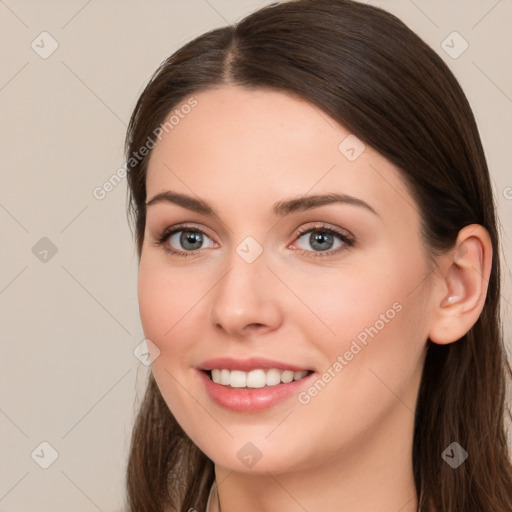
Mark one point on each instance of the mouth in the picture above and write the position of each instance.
(252, 385)
(255, 379)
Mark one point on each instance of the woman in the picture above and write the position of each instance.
(319, 274)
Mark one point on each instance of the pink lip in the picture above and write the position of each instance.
(247, 365)
(251, 399)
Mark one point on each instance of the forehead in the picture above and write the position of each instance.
(257, 147)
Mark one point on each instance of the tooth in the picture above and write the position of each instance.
(287, 376)
(273, 377)
(224, 377)
(237, 379)
(256, 379)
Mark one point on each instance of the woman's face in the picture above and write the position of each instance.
(276, 277)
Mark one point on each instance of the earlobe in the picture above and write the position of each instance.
(463, 277)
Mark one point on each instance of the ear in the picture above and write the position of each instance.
(462, 280)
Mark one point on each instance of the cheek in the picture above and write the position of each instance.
(165, 297)
(349, 300)
(155, 304)
(166, 311)
(172, 308)
(163, 305)
(380, 325)
(374, 357)
(376, 315)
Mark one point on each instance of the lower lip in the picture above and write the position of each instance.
(251, 399)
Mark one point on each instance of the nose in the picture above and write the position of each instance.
(246, 299)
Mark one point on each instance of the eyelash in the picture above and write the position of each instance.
(320, 228)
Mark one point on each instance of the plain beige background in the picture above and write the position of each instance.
(69, 318)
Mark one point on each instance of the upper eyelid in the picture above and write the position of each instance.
(176, 228)
(319, 225)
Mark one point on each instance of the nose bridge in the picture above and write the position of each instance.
(245, 296)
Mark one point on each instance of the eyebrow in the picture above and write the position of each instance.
(280, 209)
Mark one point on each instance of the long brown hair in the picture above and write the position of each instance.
(372, 74)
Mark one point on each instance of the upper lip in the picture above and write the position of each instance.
(247, 365)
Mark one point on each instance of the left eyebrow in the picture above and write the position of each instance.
(280, 209)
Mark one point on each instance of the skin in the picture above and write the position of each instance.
(350, 447)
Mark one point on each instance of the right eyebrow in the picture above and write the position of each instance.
(183, 200)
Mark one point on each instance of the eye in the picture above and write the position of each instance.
(183, 240)
(324, 241)
(186, 240)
